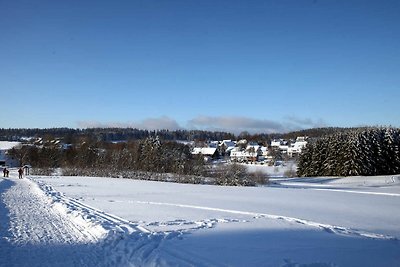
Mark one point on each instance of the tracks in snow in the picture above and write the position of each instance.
(91, 215)
(326, 227)
(125, 243)
(122, 242)
(121, 225)
(55, 230)
(32, 220)
(31, 226)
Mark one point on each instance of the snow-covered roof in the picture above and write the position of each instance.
(213, 144)
(7, 145)
(235, 149)
(185, 142)
(228, 143)
(204, 150)
(301, 139)
(232, 148)
(275, 142)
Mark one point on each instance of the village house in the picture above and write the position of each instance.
(276, 143)
(226, 147)
(238, 155)
(208, 153)
(244, 151)
(252, 153)
(280, 144)
(296, 147)
(5, 159)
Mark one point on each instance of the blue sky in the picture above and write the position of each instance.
(257, 66)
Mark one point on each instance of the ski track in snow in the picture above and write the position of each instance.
(358, 192)
(127, 243)
(326, 227)
(321, 186)
(314, 187)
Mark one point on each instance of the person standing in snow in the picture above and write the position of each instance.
(20, 172)
(5, 172)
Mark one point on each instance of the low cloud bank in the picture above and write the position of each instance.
(233, 124)
(161, 123)
(238, 125)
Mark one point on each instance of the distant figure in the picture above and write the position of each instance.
(5, 172)
(20, 172)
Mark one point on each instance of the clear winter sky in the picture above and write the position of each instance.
(260, 66)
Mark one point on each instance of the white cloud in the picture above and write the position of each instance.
(304, 123)
(160, 123)
(236, 124)
(233, 124)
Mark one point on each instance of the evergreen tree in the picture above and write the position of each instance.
(362, 151)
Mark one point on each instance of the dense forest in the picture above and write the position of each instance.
(359, 151)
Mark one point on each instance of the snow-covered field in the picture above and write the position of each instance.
(81, 221)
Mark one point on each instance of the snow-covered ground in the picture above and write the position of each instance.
(272, 171)
(81, 221)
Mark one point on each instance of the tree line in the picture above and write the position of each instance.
(359, 151)
(73, 136)
(111, 134)
(149, 159)
(149, 154)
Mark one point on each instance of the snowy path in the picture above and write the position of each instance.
(34, 222)
(42, 227)
(31, 227)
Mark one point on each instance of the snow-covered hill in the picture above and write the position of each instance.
(81, 221)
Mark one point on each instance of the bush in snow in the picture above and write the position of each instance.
(43, 171)
(233, 174)
(258, 177)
